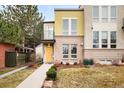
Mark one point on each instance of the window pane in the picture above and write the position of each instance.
(73, 26)
(73, 56)
(95, 37)
(74, 49)
(104, 37)
(95, 45)
(104, 12)
(113, 11)
(65, 26)
(95, 11)
(65, 49)
(113, 37)
(113, 46)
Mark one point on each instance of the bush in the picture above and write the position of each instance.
(75, 63)
(88, 62)
(51, 73)
(115, 62)
(67, 63)
(54, 67)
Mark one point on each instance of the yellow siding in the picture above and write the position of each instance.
(58, 21)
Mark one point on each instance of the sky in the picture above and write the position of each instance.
(48, 10)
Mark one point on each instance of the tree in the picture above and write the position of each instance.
(9, 33)
(29, 20)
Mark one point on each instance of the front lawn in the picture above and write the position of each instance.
(7, 69)
(15, 79)
(94, 77)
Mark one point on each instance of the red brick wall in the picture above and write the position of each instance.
(3, 48)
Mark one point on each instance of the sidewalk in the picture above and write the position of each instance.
(13, 71)
(36, 79)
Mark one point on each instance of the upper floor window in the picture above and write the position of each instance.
(65, 26)
(48, 33)
(95, 13)
(69, 26)
(73, 26)
(104, 13)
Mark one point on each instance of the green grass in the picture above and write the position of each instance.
(5, 70)
(15, 79)
(95, 77)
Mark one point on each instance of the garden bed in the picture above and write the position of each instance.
(94, 77)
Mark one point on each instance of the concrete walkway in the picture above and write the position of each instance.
(13, 71)
(36, 79)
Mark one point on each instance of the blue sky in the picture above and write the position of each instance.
(48, 10)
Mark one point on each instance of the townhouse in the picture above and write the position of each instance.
(88, 32)
(104, 37)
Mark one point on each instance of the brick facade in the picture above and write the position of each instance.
(3, 48)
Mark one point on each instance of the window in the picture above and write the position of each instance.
(73, 51)
(69, 26)
(113, 13)
(73, 26)
(95, 13)
(104, 39)
(65, 26)
(65, 51)
(95, 39)
(113, 39)
(104, 13)
(48, 33)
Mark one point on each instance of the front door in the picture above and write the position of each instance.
(48, 54)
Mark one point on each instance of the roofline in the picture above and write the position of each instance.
(68, 9)
(48, 22)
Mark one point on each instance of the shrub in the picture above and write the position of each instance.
(54, 67)
(75, 63)
(115, 62)
(88, 62)
(67, 63)
(51, 73)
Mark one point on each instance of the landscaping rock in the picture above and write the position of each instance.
(48, 84)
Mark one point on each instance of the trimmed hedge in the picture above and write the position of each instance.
(51, 73)
(88, 62)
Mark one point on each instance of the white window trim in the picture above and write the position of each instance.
(109, 19)
(69, 19)
(69, 52)
(100, 40)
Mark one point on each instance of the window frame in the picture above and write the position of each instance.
(63, 54)
(75, 54)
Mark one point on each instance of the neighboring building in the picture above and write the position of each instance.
(48, 42)
(69, 35)
(104, 37)
(4, 47)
